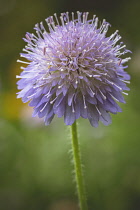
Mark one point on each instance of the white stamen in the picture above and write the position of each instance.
(51, 102)
(128, 82)
(67, 16)
(125, 93)
(79, 16)
(48, 92)
(98, 110)
(91, 91)
(117, 86)
(95, 23)
(23, 62)
(102, 94)
(96, 75)
(43, 107)
(117, 47)
(31, 95)
(23, 68)
(62, 19)
(113, 35)
(72, 16)
(113, 97)
(73, 110)
(56, 18)
(84, 102)
(125, 60)
(93, 19)
(27, 51)
(112, 83)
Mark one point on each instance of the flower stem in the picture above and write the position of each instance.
(78, 168)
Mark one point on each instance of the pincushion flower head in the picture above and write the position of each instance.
(74, 70)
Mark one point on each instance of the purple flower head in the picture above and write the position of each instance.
(74, 70)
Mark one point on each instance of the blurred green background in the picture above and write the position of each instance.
(35, 168)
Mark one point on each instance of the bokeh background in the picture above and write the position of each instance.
(35, 168)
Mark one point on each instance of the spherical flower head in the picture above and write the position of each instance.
(73, 70)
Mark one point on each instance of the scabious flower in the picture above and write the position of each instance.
(74, 70)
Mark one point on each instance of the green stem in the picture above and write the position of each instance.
(78, 168)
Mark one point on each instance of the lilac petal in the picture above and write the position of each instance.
(46, 89)
(70, 98)
(118, 96)
(90, 91)
(43, 100)
(77, 109)
(93, 122)
(105, 121)
(69, 116)
(83, 111)
(58, 101)
(91, 100)
(59, 91)
(99, 98)
(93, 115)
(36, 110)
(49, 112)
(24, 91)
(54, 83)
(126, 76)
(21, 84)
(42, 110)
(121, 84)
(105, 117)
(59, 108)
(65, 89)
(116, 106)
(45, 109)
(38, 92)
(35, 101)
(111, 107)
(48, 120)
(92, 112)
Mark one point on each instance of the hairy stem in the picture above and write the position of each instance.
(78, 168)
